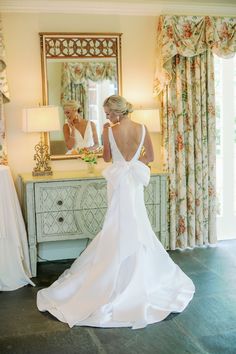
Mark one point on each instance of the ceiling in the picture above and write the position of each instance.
(123, 7)
(146, 2)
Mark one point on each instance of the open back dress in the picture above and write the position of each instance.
(124, 278)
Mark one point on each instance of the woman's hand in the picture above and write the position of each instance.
(106, 125)
(144, 160)
(71, 123)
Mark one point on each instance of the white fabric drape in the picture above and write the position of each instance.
(14, 258)
(4, 98)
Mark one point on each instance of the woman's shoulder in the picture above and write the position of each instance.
(136, 125)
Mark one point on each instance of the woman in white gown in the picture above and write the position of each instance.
(78, 132)
(124, 278)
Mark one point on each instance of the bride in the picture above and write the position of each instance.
(124, 278)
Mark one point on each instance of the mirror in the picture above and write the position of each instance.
(85, 68)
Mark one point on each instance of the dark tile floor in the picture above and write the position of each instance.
(208, 325)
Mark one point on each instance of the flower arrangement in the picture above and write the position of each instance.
(88, 156)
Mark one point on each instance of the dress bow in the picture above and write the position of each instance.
(116, 172)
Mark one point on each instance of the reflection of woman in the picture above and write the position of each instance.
(78, 132)
(124, 277)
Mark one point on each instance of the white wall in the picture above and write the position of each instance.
(24, 76)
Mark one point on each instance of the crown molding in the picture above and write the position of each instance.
(118, 8)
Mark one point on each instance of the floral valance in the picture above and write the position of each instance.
(82, 71)
(189, 36)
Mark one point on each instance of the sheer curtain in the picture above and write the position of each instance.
(225, 83)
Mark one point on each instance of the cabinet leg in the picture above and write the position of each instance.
(33, 260)
(88, 242)
(164, 239)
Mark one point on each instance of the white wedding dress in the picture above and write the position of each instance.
(124, 278)
(80, 140)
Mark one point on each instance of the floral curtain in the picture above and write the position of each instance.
(4, 98)
(189, 36)
(75, 78)
(185, 79)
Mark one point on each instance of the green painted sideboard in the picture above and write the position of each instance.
(72, 205)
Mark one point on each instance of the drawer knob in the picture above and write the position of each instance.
(60, 219)
(60, 202)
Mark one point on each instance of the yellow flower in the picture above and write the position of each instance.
(88, 155)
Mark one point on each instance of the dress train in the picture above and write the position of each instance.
(124, 278)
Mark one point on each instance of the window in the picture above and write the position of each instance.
(98, 91)
(225, 85)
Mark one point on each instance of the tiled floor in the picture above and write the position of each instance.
(208, 325)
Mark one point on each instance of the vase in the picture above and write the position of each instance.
(90, 167)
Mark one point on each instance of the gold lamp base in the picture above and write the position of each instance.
(42, 159)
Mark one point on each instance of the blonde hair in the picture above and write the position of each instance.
(72, 104)
(118, 104)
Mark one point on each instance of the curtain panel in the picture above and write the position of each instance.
(4, 98)
(185, 80)
(189, 147)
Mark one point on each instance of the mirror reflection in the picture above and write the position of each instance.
(79, 72)
(78, 132)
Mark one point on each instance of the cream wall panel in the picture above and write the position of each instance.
(24, 70)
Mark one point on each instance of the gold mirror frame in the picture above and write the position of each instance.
(77, 45)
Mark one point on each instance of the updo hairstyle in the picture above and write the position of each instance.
(118, 105)
(73, 104)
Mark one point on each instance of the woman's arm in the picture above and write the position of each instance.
(95, 135)
(69, 136)
(106, 144)
(148, 155)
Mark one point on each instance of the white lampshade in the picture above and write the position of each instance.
(41, 119)
(149, 117)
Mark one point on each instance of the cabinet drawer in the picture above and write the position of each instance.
(53, 226)
(66, 225)
(154, 216)
(70, 195)
(77, 195)
(152, 191)
(91, 220)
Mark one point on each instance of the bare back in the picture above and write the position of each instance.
(127, 136)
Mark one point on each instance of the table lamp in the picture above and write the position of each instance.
(41, 119)
(149, 117)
